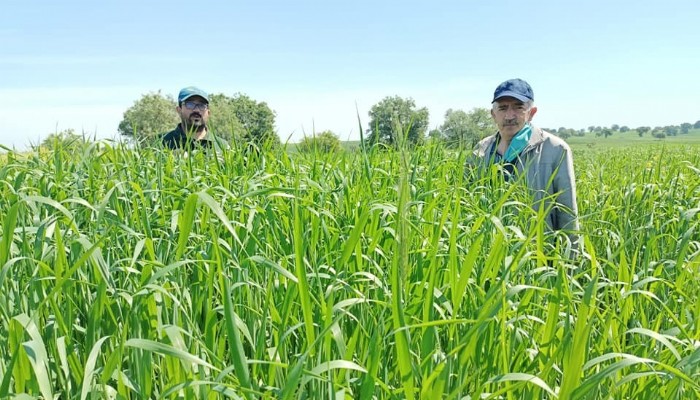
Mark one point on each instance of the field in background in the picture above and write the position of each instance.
(617, 140)
(285, 275)
(631, 138)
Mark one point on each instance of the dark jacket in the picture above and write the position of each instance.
(178, 139)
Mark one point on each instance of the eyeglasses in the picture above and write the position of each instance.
(191, 105)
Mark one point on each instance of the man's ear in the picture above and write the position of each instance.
(533, 111)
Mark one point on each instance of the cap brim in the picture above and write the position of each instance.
(193, 95)
(513, 95)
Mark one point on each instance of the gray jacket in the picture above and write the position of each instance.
(550, 171)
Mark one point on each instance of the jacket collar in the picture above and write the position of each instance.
(536, 138)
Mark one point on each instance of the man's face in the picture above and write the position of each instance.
(194, 113)
(511, 115)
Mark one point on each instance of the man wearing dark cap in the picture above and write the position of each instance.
(522, 148)
(191, 132)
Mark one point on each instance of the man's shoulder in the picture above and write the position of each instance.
(174, 138)
(554, 141)
(487, 139)
(485, 143)
(174, 134)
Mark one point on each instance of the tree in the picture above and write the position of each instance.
(395, 116)
(435, 134)
(223, 121)
(462, 129)
(256, 118)
(624, 128)
(605, 132)
(697, 124)
(325, 142)
(670, 130)
(685, 127)
(65, 139)
(150, 116)
(615, 127)
(642, 130)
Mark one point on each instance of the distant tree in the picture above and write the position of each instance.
(605, 132)
(397, 116)
(65, 139)
(642, 130)
(581, 132)
(671, 130)
(325, 142)
(686, 127)
(658, 134)
(696, 125)
(150, 116)
(223, 120)
(615, 127)
(591, 128)
(455, 129)
(462, 129)
(256, 118)
(565, 133)
(624, 128)
(435, 134)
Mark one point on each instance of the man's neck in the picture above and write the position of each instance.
(503, 144)
(200, 134)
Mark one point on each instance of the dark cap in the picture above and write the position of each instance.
(516, 88)
(190, 91)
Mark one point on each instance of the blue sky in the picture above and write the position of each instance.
(81, 64)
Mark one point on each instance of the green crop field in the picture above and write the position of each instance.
(631, 138)
(138, 274)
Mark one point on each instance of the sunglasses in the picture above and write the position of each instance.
(191, 105)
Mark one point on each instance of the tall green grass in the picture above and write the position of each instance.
(388, 274)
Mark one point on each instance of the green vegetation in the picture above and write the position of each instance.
(396, 114)
(632, 138)
(324, 142)
(350, 275)
(65, 139)
(464, 130)
(151, 115)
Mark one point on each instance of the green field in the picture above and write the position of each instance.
(383, 275)
(631, 138)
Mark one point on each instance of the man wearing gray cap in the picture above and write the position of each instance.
(521, 148)
(191, 132)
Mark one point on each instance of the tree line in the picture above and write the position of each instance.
(241, 118)
(392, 120)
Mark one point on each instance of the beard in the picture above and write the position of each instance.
(195, 123)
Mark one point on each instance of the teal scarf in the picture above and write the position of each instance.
(518, 143)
